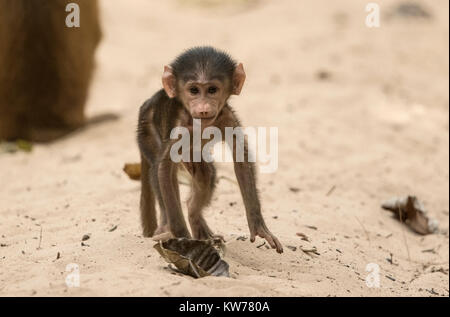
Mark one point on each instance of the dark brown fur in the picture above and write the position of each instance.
(46, 67)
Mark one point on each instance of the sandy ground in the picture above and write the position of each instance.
(375, 128)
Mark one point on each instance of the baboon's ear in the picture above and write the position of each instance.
(238, 79)
(169, 82)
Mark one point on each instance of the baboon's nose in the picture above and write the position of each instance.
(205, 114)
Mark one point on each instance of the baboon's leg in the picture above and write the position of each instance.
(147, 205)
(203, 183)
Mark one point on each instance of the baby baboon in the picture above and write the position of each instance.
(197, 86)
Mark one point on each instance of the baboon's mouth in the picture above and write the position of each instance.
(205, 118)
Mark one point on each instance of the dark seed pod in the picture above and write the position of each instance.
(197, 258)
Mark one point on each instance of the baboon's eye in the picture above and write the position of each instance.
(194, 90)
(212, 90)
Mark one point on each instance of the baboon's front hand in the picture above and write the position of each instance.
(263, 232)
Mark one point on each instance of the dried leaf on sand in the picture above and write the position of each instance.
(411, 211)
(133, 170)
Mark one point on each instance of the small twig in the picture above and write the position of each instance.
(303, 236)
(403, 233)
(308, 251)
(391, 278)
(259, 246)
(364, 228)
(331, 190)
(432, 291)
(40, 239)
(391, 259)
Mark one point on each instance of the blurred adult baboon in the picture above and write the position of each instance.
(45, 67)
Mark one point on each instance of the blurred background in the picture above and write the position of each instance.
(362, 111)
